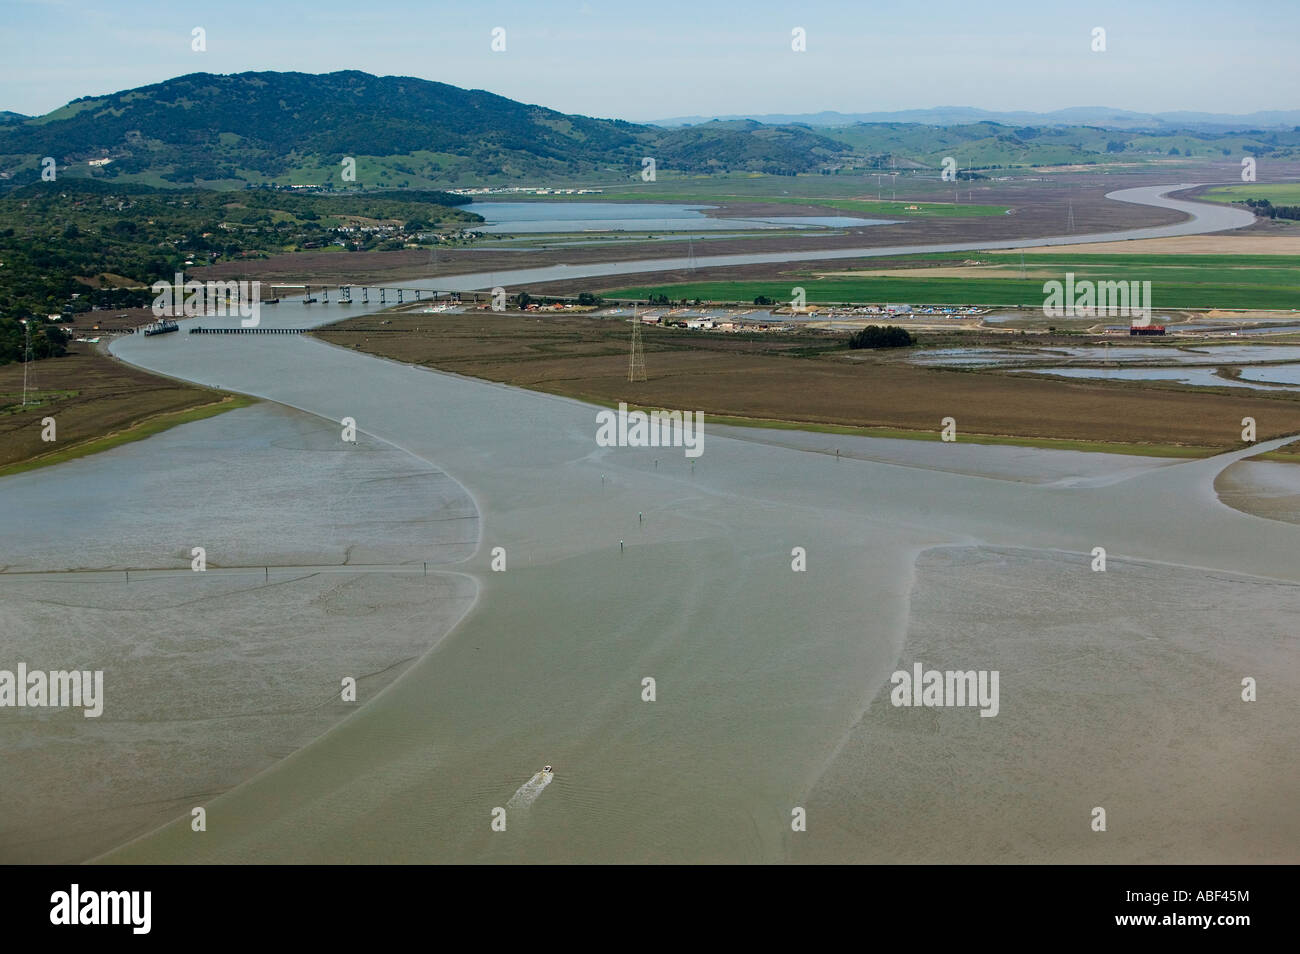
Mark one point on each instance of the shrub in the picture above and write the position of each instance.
(881, 336)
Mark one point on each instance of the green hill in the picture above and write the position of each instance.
(295, 128)
(280, 129)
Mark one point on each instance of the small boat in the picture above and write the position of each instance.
(546, 769)
(271, 301)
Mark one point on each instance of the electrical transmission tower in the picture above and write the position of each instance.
(636, 359)
(26, 356)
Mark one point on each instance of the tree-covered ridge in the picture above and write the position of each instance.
(987, 145)
(350, 113)
(271, 128)
(255, 128)
(56, 236)
(212, 127)
(747, 145)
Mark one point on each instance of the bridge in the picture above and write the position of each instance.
(347, 293)
(312, 293)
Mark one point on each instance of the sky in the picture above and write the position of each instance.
(655, 59)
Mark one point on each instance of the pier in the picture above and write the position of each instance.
(247, 331)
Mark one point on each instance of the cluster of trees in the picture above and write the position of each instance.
(42, 267)
(587, 299)
(1265, 207)
(47, 340)
(881, 336)
(53, 234)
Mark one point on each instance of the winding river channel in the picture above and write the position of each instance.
(578, 572)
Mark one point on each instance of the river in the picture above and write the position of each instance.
(627, 564)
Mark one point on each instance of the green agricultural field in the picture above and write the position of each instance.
(1153, 261)
(1277, 193)
(1164, 271)
(1288, 266)
(1177, 281)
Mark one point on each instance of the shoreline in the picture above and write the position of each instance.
(148, 427)
(1135, 449)
(574, 357)
(100, 402)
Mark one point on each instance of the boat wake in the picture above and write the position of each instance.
(528, 792)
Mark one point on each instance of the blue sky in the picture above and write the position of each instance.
(651, 60)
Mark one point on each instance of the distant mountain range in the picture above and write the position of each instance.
(285, 129)
(1075, 116)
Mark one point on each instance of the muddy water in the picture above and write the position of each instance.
(760, 672)
(625, 565)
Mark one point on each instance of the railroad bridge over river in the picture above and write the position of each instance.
(347, 294)
(312, 293)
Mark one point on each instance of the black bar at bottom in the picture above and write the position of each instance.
(921, 904)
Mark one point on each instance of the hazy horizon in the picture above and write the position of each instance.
(641, 65)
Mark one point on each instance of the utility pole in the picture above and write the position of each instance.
(636, 358)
